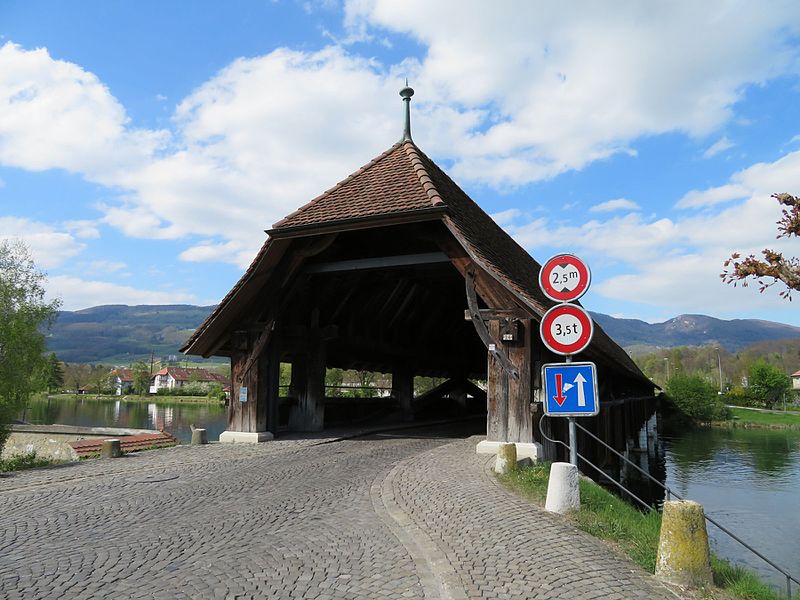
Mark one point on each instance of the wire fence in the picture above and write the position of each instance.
(669, 494)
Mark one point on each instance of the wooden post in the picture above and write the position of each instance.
(297, 390)
(311, 404)
(269, 372)
(403, 391)
(519, 393)
(496, 394)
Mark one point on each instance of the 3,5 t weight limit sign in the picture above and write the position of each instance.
(566, 329)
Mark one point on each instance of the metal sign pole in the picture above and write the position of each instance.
(573, 431)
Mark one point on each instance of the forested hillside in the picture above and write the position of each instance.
(119, 334)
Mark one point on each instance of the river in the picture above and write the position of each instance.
(748, 479)
(174, 417)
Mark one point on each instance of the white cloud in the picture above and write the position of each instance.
(78, 293)
(262, 137)
(53, 114)
(563, 84)
(233, 252)
(83, 228)
(712, 196)
(719, 146)
(631, 238)
(49, 247)
(761, 178)
(505, 217)
(612, 205)
(677, 263)
(102, 267)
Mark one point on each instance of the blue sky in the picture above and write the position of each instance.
(144, 147)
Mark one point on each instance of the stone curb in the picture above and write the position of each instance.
(438, 577)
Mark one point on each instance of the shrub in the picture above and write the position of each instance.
(740, 397)
(696, 398)
(768, 383)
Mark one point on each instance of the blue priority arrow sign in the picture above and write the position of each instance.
(570, 389)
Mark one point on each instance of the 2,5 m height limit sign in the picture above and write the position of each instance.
(564, 278)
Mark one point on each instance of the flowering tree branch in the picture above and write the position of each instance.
(774, 267)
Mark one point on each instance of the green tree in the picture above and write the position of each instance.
(24, 311)
(99, 380)
(53, 374)
(696, 397)
(141, 377)
(768, 384)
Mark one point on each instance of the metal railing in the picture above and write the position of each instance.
(789, 578)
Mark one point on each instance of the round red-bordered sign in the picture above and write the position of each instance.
(566, 329)
(564, 278)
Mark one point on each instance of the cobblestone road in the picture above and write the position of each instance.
(384, 517)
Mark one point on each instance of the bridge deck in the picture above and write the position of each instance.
(397, 515)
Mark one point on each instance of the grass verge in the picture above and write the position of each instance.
(23, 461)
(754, 418)
(134, 398)
(605, 516)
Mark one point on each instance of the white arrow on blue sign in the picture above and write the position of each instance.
(570, 389)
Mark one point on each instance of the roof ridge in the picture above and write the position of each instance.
(344, 181)
(422, 174)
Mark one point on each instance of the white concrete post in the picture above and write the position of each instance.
(563, 491)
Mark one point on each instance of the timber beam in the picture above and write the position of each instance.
(378, 262)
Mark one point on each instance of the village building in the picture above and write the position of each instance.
(171, 378)
(397, 270)
(121, 381)
(796, 380)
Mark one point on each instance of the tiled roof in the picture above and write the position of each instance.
(403, 181)
(123, 374)
(128, 443)
(186, 374)
(394, 182)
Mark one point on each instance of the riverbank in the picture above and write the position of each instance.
(634, 533)
(136, 398)
(755, 418)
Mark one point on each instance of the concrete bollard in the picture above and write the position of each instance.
(683, 556)
(199, 437)
(506, 460)
(110, 449)
(563, 491)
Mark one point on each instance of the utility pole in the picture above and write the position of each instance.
(150, 377)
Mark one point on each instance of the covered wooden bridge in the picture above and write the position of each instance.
(394, 270)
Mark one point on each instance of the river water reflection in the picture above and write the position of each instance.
(749, 481)
(176, 418)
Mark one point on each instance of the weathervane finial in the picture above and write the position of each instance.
(406, 94)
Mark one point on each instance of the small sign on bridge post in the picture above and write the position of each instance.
(570, 389)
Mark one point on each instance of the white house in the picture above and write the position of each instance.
(122, 381)
(177, 377)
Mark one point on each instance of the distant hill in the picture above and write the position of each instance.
(119, 334)
(694, 330)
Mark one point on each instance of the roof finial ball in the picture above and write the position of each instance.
(406, 94)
